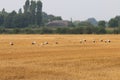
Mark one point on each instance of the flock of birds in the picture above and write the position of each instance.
(81, 41)
(94, 41)
(34, 42)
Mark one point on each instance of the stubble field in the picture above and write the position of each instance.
(67, 60)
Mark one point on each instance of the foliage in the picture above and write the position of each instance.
(63, 30)
(47, 18)
(1, 20)
(114, 22)
(9, 20)
(102, 23)
(31, 20)
(32, 16)
(85, 24)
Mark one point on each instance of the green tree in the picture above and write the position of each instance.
(118, 23)
(114, 22)
(26, 15)
(33, 7)
(44, 18)
(27, 6)
(118, 20)
(20, 21)
(26, 19)
(1, 19)
(101, 30)
(9, 20)
(20, 11)
(4, 12)
(88, 30)
(102, 23)
(85, 24)
(33, 12)
(39, 13)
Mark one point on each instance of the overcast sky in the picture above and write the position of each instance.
(75, 9)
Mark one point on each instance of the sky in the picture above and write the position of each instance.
(75, 9)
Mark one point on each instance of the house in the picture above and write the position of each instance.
(58, 23)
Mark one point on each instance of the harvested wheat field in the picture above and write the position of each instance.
(59, 57)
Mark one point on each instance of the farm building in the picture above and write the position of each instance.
(59, 23)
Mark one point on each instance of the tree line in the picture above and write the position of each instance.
(32, 15)
(32, 20)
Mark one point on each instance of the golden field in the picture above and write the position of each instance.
(67, 60)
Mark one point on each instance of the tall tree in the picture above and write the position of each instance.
(20, 11)
(33, 7)
(33, 11)
(4, 12)
(1, 19)
(27, 6)
(39, 13)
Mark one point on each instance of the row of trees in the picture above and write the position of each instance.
(32, 15)
(46, 30)
(112, 23)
